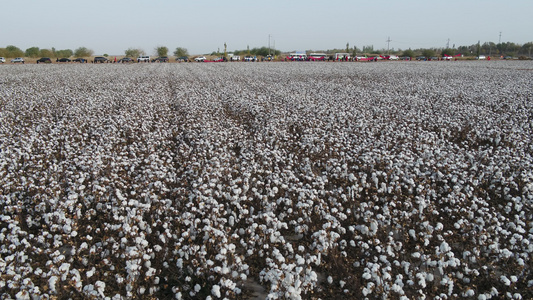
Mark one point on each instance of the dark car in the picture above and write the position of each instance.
(182, 59)
(80, 60)
(64, 59)
(125, 60)
(160, 59)
(44, 60)
(420, 58)
(100, 59)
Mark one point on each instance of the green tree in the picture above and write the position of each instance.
(64, 53)
(161, 51)
(133, 52)
(13, 51)
(83, 52)
(428, 52)
(449, 51)
(527, 48)
(46, 53)
(408, 53)
(354, 52)
(368, 49)
(179, 52)
(32, 52)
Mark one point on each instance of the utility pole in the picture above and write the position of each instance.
(269, 44)
(448, 44)
(388, 43)
(500, 44)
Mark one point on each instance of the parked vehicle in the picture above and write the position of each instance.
(220, 59)
(125, 60)
(17, 60)
(481, 57)
(100, 59)
(2, 59)
(64, 59)
(366, 58)
(200, 58)
(250, 58)
(315, 57)
(235, 58)
(80, 60)
(182, 59)
(160, 59)
(143, 58)
(390, 57)
(44, 60)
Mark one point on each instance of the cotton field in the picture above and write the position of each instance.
(388, 180)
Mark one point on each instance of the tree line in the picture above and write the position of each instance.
(487, 48)
(13, 51)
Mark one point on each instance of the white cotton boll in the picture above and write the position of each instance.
(505, 280)
(444, 247)
(330, 279)
(118, 193)
(439, 226)
(90, 273)
(397, 289)
(373, 227)
(197, 288)
(100, 288)
(215, 290)
(22, 295)
(52, 284)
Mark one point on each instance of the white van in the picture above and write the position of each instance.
(143, 58)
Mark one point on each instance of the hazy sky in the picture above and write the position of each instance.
(203, 26)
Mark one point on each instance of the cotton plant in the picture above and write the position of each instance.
(288, 182)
